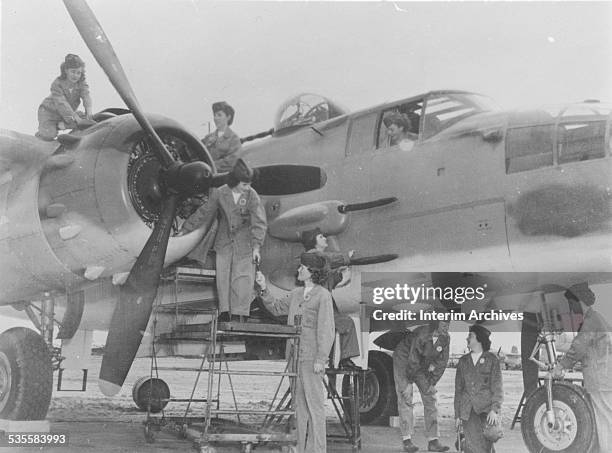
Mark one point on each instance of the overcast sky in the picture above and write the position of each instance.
(182, 55)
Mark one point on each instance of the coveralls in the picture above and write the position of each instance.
(417, 359)
(61, 105)
(242, 227)
(349, 343)
(593, 348)
(224, 148)
(478, 390)
(316, 341)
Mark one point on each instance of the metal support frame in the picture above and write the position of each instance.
(348, 414)
(83, 388)
(203, 430)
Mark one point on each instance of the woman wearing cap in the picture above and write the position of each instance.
(478, 391)
(59, 109)
(313, 303)
(399, 130)
(315, 241)
(224, 145)
(240, 235)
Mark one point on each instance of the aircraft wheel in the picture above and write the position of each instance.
(26, 375)
(378, 401)
(151, 391)
(574, 428)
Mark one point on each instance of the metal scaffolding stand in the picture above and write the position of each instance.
(218, 431)
(202, 423)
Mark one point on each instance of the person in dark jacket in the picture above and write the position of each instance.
(240, 235)
(223, 143)
(592, 346)
(315, 241)
(420, 358)
(478, 391)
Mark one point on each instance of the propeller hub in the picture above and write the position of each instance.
(189, 179)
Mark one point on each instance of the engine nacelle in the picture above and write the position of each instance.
(87, 209)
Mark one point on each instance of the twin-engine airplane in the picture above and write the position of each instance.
(87, 223)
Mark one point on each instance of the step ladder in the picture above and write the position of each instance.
(182, 323)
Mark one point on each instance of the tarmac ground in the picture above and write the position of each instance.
(95, 423)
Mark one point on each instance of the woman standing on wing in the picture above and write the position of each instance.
(224, 145)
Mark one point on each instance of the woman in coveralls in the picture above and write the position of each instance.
(240, 235)
(314, 304)
(223, 143)
(478, 391)
(59, 109)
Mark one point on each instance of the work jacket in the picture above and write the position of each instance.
(65, 99)
(242, 225)
(593, 348)
(479, 386)
(224, 148)
(317, 320)
(418, 357)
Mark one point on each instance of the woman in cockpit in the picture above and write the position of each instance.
(398, 130)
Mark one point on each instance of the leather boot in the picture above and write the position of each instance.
(435, 445)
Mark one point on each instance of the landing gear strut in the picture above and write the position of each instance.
(558, 416)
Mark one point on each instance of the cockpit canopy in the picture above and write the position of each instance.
(304, 110)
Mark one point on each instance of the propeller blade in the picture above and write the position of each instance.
(375, 259)
(135, 303)
(103, 52)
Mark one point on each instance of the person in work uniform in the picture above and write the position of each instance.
(478, 391)
(223, 143)
(592, 346)
(314, 304)
(420, 358)
(315, 241)
(59, 109)
(240, 235)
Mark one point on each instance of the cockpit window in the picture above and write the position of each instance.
(442, 111)
(305, 110)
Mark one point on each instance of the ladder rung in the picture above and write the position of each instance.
(255, 373)
(250, 411)
(178, 368)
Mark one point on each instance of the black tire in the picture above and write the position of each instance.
(26, 375)
(379, 400)
(571, 404)
(150, 391)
